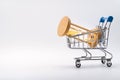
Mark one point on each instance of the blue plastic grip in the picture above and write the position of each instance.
(110, 19)
(102, 19)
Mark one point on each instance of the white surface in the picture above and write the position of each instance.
(31, 50)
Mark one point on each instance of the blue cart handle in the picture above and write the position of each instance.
(102, 20)
(110, 19)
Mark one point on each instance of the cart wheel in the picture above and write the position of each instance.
(103, 60)
(78, 64)
(109, 63)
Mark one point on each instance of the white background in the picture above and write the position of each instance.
(31, 50)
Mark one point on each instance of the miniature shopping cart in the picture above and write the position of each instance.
(82, 38)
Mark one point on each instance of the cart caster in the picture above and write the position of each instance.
(103, 60)
(109, 63)
(78, 64)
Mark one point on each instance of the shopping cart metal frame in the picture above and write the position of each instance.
(104, 25)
